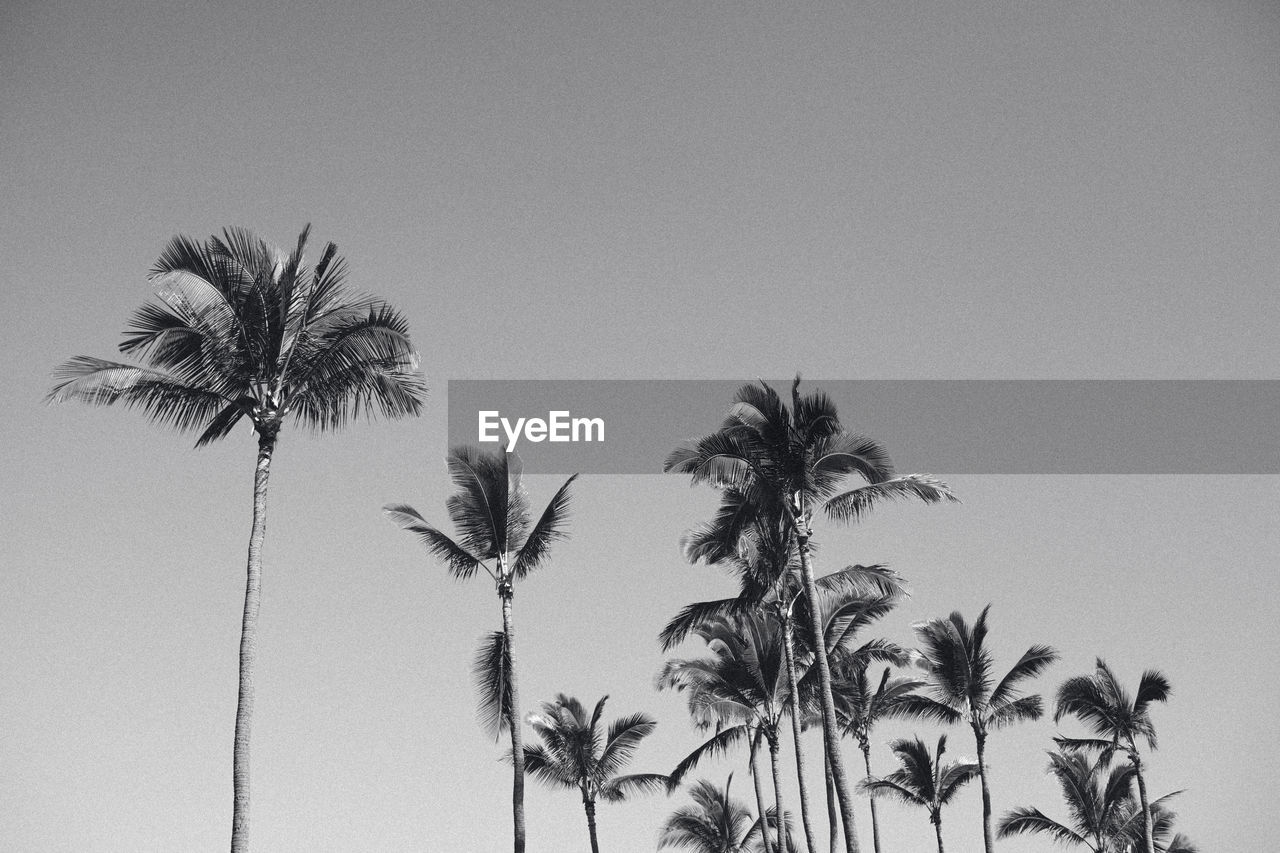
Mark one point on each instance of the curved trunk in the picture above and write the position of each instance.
(987, 839)
(833, 815)
(249, 647)
(777, 794)
(1147, 832)
(764, 815)
(830, 731)
(591, 824)
(875, 823)
(513, 723)
(937, 828)
(788, 648)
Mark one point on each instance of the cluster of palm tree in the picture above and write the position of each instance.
(240, 331)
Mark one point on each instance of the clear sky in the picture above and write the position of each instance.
(598, 190)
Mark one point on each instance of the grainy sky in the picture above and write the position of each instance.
(710, 190)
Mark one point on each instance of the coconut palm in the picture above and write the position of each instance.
(716, 823)
(573, 755)
(860, 706)
(762, 555)
(923, 780)
(962, 689)
(242, 331)
(1103, 815)
(490, 511)
(788, 462)
(1117, 719)
(740, 689)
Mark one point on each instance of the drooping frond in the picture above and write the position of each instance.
(718, 744)
(625, 734)
(696, 615)
(491, 672)
(462, 563)
(621, 788)
(852, 506)
(1032, 663)
(1030, 821)
(1026, 709)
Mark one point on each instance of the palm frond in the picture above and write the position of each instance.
(491, 672)
(462, 563)
(550, 528)
(620, 788)
(1030, 821)
(1033, 662)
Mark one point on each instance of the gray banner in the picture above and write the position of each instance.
(938, 426)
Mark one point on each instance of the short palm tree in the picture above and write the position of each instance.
(788, 462)
(741, 690)
(715, 823)
(241, 331)
(573, 755)
(962, 688)
(1117, 719)
(860, 706)
(923, 780)
(490, 511)
(1103, 815)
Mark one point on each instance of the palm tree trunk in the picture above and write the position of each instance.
(777, 794)
(788, 648)
(987, 838)
(833, 815)
(830, 733)
(875, 823)
(513, 722)
(764, 815)
(249, 646)
(591, 824)
(937, 828)
(1147, 832)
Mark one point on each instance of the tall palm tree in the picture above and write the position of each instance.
(860, 706)
(1117, 719)
(241, 331)
(789, 462)
(572, 754)
(1103, 814)
(740, 689)
(490, 511)
(923, 780)
(962, 688)
(716, 823)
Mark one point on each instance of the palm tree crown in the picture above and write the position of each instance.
(240, 330)
(714, 823)
(922, 779)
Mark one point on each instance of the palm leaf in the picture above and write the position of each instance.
(492, 674)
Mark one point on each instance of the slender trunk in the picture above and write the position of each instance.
(937, 828)
(764, 815)
(777, 793)
(591, 824)
(830, 731)
(833, 815)
(249, 646)
(513, 722)
(788, 648)
(875, 823)
(987, 839)
(1147, 832)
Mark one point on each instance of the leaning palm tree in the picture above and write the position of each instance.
(1103, 815)
(241, 331)
(789, 462)
(1117, 719)
(923, 780)
(490, 511)
(572, 755)
(961, 688)
(740, 689)
(716, 823)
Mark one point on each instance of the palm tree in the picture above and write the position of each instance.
(741, 690)
(716, 823)
(961, 688)
(490, 511)
(1117, 719)
(859, 706)
(239, 330)
(923, 780)
(788, 462)
(1103, 815)
(572, 755)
